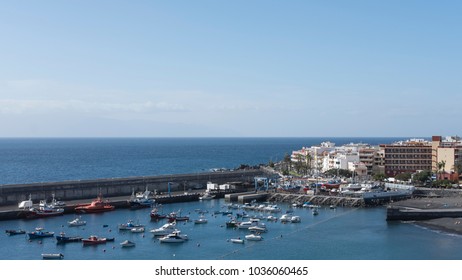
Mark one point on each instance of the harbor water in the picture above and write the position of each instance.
(334, 234)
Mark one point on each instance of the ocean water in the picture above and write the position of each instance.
(26, 160)
(340, 234)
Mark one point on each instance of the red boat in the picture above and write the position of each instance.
(96, 206)
(155, 215)
(176, 217)
(43, 212)
(94, 240)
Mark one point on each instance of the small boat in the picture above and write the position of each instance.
(129, 226)
(127, 243)
(258, 229)
(295, 219)
(62, 238)
(206, 196)
(201, 220)
(286, 218)
(137, 230)
(77, 222)
(174, 237)
(237, 240)
(14, 231)
(232, 224)
(155, 215)
(94, 240)
(52, 256)
(315, 211)
(39, 233)
(254, 237)
(176, 216)
(96, 206)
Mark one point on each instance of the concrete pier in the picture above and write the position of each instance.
(115, 187)
(233, 197)
(249, 197)
(411, 214)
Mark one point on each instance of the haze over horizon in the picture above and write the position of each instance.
(230, 69)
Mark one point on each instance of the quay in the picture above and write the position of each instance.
(114, 187)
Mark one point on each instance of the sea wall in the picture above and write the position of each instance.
(112, 187)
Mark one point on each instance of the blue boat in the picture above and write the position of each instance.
(39, 233)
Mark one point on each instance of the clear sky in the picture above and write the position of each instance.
(230, 68)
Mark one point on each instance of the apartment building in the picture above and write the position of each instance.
(407, 156)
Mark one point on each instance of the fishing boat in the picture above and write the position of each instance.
(129, 226)
(94, 240)
(141, 200)
(62, 238)
(53, 256)
(96, 206)
(127, 243)
(42, 212)
(232, 224)
(176, 217)
(14, 231)
(77, 222)
(39, 233)
(155, 215)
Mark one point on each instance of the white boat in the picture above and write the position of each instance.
(164, 230)
(295, 219)
(254, 237)
(127, 243)
(53, 256)
(174, 237)
(259, 228)
(26, 204)
(201, 220)
(141, 199)
(246, 225)
(77, 222)
(237, 240)
(137, 230)
(285, 218)
(206, 196)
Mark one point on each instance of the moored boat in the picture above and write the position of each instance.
(164, 230)
(254, 237)
(127, 243)
(129, 226)
(62, 238)
(43, 212)
(201, 220)
(53, 256)
(39, 233)
(77, 222)
(94, 240)
(14, 231)
(174, 237)
(96, 206)
(141, 200)
(237, 240)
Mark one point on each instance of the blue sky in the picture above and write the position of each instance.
(230, 68)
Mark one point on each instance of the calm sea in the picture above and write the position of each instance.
(340, 234)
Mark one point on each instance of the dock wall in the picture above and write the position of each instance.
(113, 187)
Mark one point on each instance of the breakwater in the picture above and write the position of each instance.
(114, 187)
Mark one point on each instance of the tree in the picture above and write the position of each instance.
(405, 176)
(422, 176)
(380, 177)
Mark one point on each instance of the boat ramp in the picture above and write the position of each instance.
(317, 199)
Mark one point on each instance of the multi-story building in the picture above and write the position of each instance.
(446, 154)
(407, 156)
